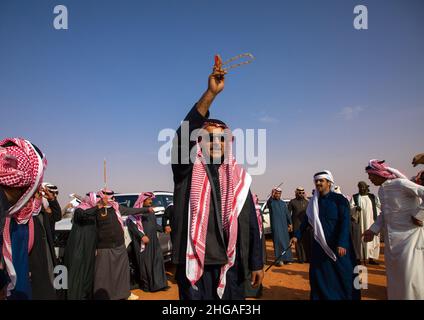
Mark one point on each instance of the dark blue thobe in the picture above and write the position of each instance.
(19, 234)
(332, 280)
(280, 219)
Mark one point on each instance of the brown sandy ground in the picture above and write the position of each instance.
(289, 282)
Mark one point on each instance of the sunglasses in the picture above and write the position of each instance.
(212, 137)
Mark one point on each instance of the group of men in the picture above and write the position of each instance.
(217, 230)
(286, 219)
(95, 256)
(345, 233)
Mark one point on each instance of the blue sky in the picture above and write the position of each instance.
(330, 97)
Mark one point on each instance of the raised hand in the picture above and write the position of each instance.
(216, 81)
(48, 194)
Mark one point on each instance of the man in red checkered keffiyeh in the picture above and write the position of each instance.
(148, 255)
(21, 173)
(215, 232)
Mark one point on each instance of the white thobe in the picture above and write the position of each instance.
(402, 199)
(366, 219)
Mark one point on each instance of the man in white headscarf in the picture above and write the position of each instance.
(331, 272)
(365, 207)
(401, 218)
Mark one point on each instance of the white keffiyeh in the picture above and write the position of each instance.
(313, 215)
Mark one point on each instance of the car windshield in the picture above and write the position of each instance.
(162, 200)
(127, 201)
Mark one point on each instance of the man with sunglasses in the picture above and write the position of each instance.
(297, 208)
(215, 232)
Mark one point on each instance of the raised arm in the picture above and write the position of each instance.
(215, 86)
(125, 211)
(182, 144)
(56, 214)
(81, 216)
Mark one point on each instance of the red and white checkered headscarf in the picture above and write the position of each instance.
(21, 166)
(143, 196)
(379, 168)
(89, 201)
(137, 219)
(234, 185)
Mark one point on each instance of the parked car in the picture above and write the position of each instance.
(161, 201)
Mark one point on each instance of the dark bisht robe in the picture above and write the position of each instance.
(151, 269)
(297, 208)
(249, 255)
(109, 270)
(80, 257)
(42, 258)
(166, 219)
(332, 280)
(280, 220)
(250, 291)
